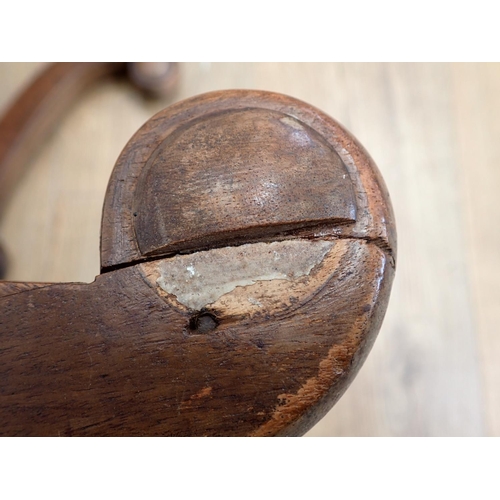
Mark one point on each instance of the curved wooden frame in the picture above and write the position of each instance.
(125, 356)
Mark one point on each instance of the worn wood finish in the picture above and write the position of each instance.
(125, 356)
(113, 358)
(211, 181)
(431, 129)
(134, 192)
(13, 287)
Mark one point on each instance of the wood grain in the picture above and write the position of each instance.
(148, 169)
(477, 107)
(120, 360)
(432, 130)
(213, 191)
(168, 356)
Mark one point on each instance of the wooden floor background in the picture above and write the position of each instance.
(433, 130)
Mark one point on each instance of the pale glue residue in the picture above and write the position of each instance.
(200, 279)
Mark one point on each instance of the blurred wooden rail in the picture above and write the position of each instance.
(433, 130)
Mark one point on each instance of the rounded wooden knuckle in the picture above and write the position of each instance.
(238, 166)
(266, 225)
(248, 248)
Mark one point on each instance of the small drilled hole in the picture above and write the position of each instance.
(203, 323)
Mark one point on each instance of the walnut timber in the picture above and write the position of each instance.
(248, 251)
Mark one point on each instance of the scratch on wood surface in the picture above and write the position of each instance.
(204, 393)
(291, 405)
